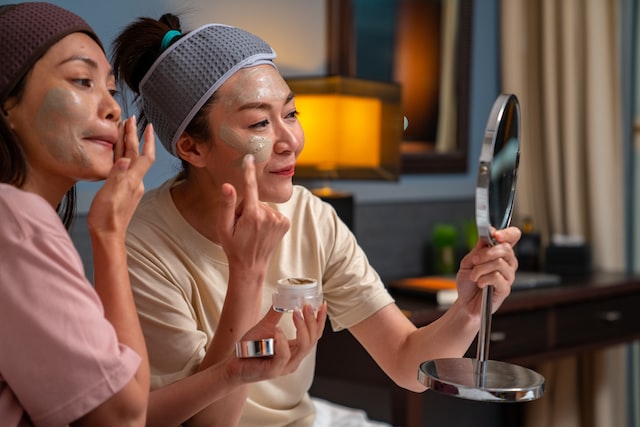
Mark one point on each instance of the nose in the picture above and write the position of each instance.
(289, 138)
(110, 108)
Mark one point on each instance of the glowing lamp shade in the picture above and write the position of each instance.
(353, 128)
(350, 121)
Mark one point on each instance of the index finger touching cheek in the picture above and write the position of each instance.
(118, 149)
(144, 162)
(250, 191)
(131, 143)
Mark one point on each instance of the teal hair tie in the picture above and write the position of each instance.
(168, 38)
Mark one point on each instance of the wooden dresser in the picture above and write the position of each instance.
(582, 314)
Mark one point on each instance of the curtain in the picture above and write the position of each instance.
(446, 140)
(562, 60)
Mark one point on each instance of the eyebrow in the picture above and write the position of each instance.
(90, 62)
(263, 105)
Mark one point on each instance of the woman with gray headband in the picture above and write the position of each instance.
(200, 277)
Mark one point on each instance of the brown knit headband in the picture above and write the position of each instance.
(27, 31)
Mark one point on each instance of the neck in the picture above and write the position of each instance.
(52, 189)
(198, 207)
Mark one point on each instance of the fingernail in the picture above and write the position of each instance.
(248, 158)
(123, 163)
(308, 310)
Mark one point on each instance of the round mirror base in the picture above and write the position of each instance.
(488, 381)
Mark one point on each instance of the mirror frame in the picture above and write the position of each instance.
(341, 60)
(504, 103)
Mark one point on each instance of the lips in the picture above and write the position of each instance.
(286, 171)
(107, 140)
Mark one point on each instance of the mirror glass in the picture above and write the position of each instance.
(426, 47)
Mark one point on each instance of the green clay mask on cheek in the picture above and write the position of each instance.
(259, 146)
(59, 120)
(252, 85)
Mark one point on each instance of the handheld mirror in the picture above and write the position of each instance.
(480, 378)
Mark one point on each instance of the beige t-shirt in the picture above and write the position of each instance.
(180, 278)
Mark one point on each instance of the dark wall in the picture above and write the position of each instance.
(396, 236)
(80, 236)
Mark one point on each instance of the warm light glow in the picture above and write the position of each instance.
(340, 130)
(353, 128)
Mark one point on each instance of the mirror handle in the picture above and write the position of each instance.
(485, 325)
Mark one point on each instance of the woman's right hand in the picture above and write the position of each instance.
(250, 231)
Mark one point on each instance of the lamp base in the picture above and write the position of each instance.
(342, 202)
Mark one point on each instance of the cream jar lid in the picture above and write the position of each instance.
(255, 348)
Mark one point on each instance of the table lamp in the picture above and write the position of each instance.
(353, 130)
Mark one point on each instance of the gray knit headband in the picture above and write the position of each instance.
(187, 74)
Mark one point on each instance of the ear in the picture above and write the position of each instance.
(7, 105)
(191, 151)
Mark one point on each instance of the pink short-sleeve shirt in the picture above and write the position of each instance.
(59, 357)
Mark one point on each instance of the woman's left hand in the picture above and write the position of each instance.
(288, 353)
(114, 204)
(488, 265)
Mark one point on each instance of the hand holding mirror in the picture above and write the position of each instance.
(480, 378)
